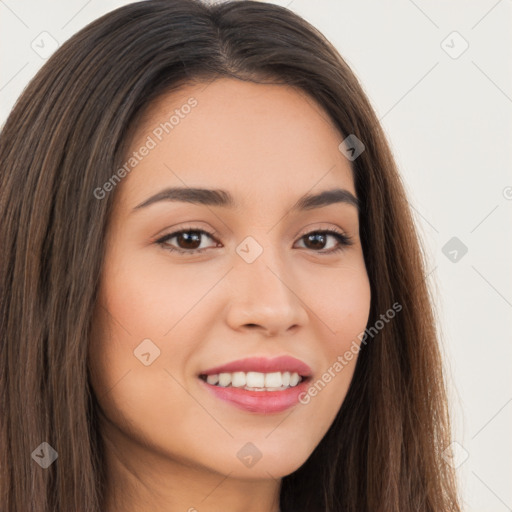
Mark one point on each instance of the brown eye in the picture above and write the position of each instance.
(316, 240)
(187, 240)
(190, 239)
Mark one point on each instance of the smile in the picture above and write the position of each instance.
(254, 381)
(259, 385)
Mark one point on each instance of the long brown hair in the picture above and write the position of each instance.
(66, 135)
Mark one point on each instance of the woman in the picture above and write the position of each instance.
(213, 292)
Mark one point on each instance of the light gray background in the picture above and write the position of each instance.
(448, 119)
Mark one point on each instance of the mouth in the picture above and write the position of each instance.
(255, 381)
(259, 373)
(259, 385)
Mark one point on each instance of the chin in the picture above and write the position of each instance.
(265, 465)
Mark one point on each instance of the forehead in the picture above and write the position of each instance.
(260, 141)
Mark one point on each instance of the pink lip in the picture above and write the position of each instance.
(263, 365)
(264, 402)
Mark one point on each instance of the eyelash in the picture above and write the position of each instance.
(344, 240)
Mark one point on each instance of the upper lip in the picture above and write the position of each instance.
(264, 365)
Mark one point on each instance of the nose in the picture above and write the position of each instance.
(265, 296)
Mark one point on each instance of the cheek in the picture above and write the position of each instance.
(145, 308)
(150, 296)
(143, 400)
(340, 300)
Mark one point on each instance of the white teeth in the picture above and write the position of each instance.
(239, 380)
(255, 381)
(212, 379)
(224, 379)
(273, 380)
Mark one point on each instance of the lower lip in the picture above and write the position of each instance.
(264, 402)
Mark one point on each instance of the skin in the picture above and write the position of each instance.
(169, 444)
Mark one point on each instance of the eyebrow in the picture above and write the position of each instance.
(216, 197)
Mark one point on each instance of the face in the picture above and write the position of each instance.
(193, 283)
